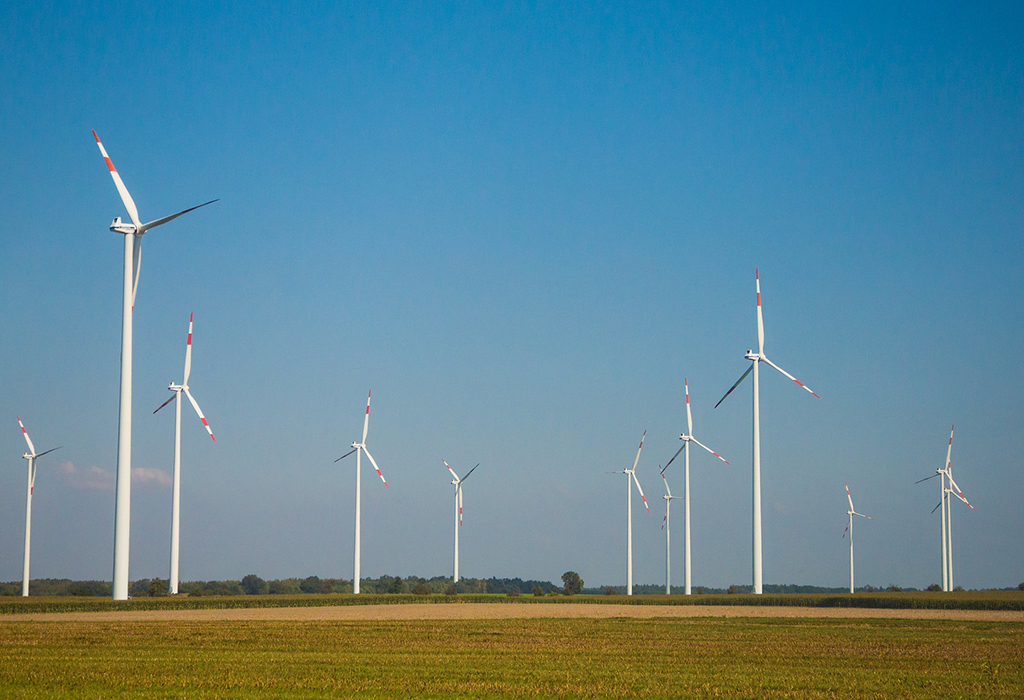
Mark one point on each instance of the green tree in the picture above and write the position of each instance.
(538, 591)
(312, 584)
(253, 585)
(572, 582)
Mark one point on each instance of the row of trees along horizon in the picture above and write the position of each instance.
(438, 585)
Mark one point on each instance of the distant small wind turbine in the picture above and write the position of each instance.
(31, 456)
(630, 479)
(457, 483)
(949, 489)
(687, 438)
(359, 448)
(133, 233)
(849, 528)
(172, 586)
(666, 525)
(757, 358)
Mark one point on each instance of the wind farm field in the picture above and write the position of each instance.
(514, 657)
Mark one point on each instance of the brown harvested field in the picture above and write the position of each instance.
(497, 611)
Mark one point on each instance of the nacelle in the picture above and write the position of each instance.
(118, 226)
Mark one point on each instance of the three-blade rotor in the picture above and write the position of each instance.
(457, 483)
(136, 228)
(178, 389)
(946, 472)
(362, 445)
(688, 436)
(759, 356)
(631, 473)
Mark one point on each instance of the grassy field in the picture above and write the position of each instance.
(514, 658)
(963, 600)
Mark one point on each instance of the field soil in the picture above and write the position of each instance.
(504, 611)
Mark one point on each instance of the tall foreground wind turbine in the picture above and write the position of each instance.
(949, 489)
(457, 483)
(133, 233)
(756, 358)
(630, 480)
(687, 438)
(359, 448)
(178, 389)
(31, 456)
(666, 525)
(849, 528)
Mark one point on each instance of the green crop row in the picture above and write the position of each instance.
(968, 600)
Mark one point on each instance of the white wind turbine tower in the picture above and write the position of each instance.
(849, 528)
(666, 525)
(630, 479)
(178, 389)
(755, 359)
(359, 448)
(457, 483)
(133, 233)
(31, 456)
(687, 438)
(949, 489)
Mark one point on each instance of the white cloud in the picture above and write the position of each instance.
(93, 478)
(144, 476)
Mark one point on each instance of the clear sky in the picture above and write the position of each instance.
(521, 225)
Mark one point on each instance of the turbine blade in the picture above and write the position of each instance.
(949, 449)
(862, 515)
(638, 450)
(449, 469)
(644, 499)
(760, 320)
(689, 418)
(366, 421)
(201, 416)
(376, 467)
(937, 473)
(958, 493)
(31, 447)
(136, 265)
(129, 203)
(673, 458)
(666, 484)
(173, 396)
(460, 504)
(664, 521)
(742, 377)
(848, 497)
(56, 448)
(802, 385)
(936, 507)
(846, 530)
(188, 352)
(164, 220)
(710, 450)
(470, 472)
(346, 454)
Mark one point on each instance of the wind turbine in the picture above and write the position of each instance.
(948, 489)
(666, 525)
(755, 359)
(359, 448)
(849, 527)
(178, 389)
(31, 456)
(133, 233)
(457, 483)
(687, 438)
(630, 479)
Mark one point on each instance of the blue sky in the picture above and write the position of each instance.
(521, 227)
